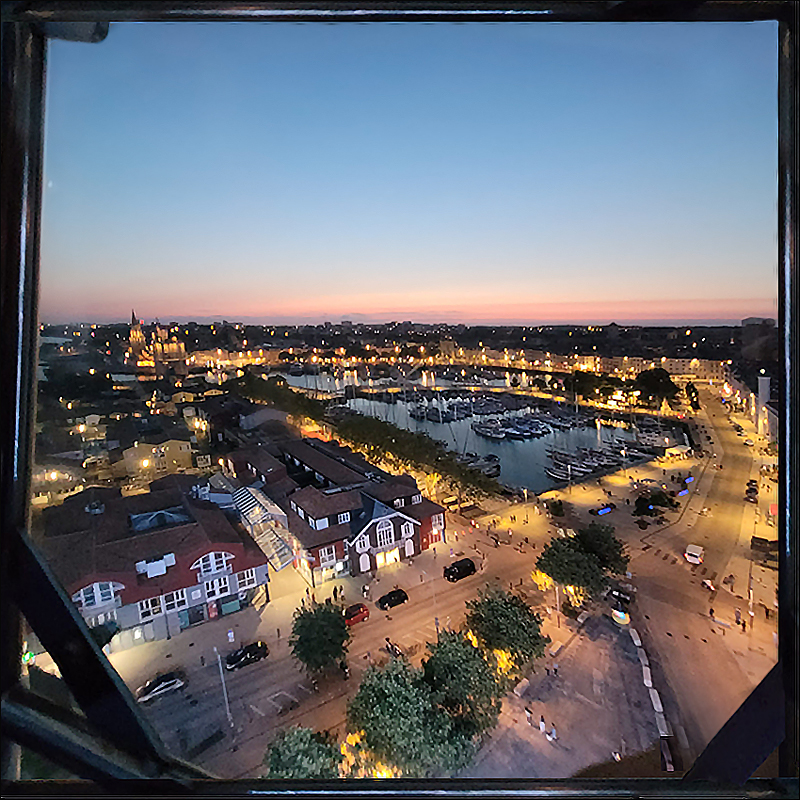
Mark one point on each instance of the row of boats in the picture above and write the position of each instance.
(488, 464)
(587, 460)
(528, 426)
(456, 410)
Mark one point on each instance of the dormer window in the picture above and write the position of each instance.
(344, 517)
(97, 594)
(399, 502)
(212, 562)
(417, 498)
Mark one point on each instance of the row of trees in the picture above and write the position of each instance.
(413, 721)
(376, 439)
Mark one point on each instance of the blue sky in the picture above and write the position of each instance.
(504, 173)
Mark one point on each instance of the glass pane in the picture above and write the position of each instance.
(543, 256)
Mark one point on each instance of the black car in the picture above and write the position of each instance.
(459, 569)
(391, 599)
(751, 490)
(248, 654)
(620, 596)
(753, 482)
(161, 684)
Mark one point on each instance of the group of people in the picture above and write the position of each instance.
(551, 734)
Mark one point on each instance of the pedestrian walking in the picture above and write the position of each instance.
(744, 626)
(555, 669)
(553, 734)
(335, 591)
(279, 633)
(547, 669)
(528, 716)
(542, 725)
(711, 613)
(308, 592)
(737, 612)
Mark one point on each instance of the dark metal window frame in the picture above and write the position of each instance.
(112, 745)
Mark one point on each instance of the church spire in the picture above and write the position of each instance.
(134, 321)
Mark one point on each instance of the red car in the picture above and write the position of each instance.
(358, 612)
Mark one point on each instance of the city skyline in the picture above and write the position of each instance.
(478, 174)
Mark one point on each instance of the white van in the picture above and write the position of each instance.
(694, 553)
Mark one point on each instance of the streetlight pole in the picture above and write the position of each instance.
(435, 612)
(224, 688)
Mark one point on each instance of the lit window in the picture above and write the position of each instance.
(417, 498)
(437, 521)
(385, 533)
(327, 555)
(175, 600)
(344, 517)
(149, 608)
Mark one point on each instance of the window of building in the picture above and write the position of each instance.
(407, 529)
(149, 608)
(212, 562)
(417, 498)
(219, 587)
(437, 521)
(246, 579)
(175, 600)
(399, 502)
(327, 555)
(344, 517)
(384, 533)
(97, 594)
(322, 523)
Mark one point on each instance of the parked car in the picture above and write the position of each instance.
(751, 490)
(161, 684)
(694, 553)
(752, 482)
(248, 654)
(358, 612)
(459, 569)
(618, 595)
(751, 498)
(391, 599)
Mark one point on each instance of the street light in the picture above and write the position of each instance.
(435, 612)
(224, 688)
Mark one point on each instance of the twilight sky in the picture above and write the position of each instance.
(520, 173)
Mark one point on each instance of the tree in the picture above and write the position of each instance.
(319, 636)
(302, 753)
(464, 683)
(503, 622)
(656, 383)
(104, 633)
(599, 541)
(402, 725)
(567, 564)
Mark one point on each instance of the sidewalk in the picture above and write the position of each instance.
(597, 702)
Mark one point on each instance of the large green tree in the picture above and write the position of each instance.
(503, 621)
(464, 683)
(567, 564)
(599, 541)
(302, 753)
(319, 636)
(656, 383)
(403, 725)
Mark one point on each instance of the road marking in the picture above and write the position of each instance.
(257, 710)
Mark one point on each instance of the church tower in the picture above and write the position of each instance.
(136, 337)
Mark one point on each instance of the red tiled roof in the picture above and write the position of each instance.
(83, 548)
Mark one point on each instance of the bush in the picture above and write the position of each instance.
(569, 610)
(556, 508)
